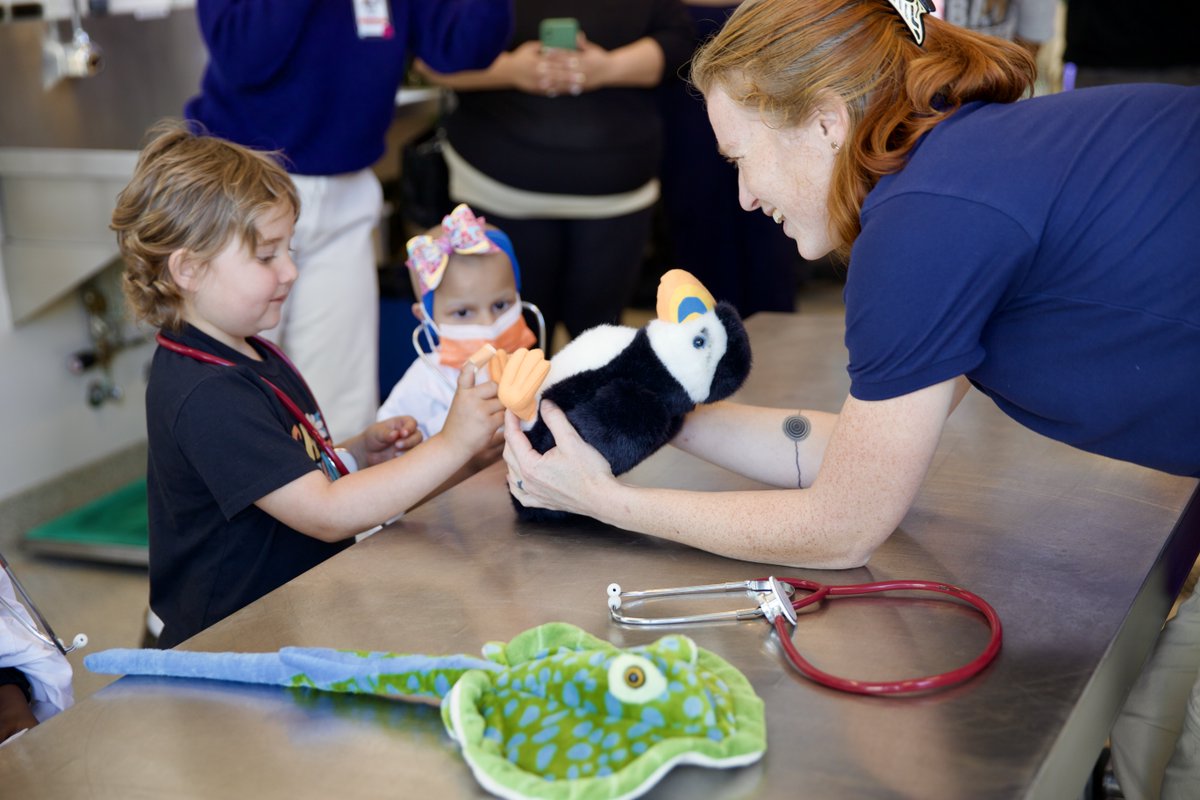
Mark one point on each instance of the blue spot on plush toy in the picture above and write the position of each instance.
(627, 390)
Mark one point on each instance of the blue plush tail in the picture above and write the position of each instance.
(265, 668)
(387, 674)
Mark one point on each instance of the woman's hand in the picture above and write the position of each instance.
(573, 71)
(591, 67)
(571, 476)
(524, 68)
(557, 72)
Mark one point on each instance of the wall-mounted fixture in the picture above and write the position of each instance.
(105, 330)
(78, 58)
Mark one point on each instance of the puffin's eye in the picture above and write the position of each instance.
(699, 342)
(634, 679)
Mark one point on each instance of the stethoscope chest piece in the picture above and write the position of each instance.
(777, 602)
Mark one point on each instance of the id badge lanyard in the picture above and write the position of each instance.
(327, 451)
(372, 19)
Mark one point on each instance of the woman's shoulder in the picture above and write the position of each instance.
(1013, 155)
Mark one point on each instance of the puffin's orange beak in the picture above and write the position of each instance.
(680, 296)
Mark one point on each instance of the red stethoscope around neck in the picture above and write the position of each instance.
(327, 450)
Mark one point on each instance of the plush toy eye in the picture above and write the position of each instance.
(699, 342)
(634, 679)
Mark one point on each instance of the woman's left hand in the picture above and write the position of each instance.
(571, 476)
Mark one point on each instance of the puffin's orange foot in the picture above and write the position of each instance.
(523, 373)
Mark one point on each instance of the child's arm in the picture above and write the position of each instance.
(334, 511)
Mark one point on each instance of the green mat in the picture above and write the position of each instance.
(112, 528)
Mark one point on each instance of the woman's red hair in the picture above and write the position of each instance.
(784, 58)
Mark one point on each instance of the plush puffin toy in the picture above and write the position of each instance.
(626, 390)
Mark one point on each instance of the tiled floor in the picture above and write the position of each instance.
(108, 602)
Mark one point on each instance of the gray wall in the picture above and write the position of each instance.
(151, 67)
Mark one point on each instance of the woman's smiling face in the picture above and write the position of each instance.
(785, 172)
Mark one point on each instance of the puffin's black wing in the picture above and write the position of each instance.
(624, 421)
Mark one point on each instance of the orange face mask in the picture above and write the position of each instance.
(457, 343)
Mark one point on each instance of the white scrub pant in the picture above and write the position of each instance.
(1156, 740)
(330, 322)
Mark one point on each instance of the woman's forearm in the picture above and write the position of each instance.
(789, 527)
(873, 457)
(494, 77)
(637, 64)
(781, 447)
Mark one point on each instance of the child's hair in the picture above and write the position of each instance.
(194, 192)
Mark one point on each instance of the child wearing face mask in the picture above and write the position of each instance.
(466, 277)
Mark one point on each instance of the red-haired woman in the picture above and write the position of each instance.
(1043, 250)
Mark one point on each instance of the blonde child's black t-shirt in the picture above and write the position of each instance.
(219, 440)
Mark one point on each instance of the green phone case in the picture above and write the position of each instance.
(558, 32)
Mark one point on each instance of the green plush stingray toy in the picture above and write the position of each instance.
(555, 713)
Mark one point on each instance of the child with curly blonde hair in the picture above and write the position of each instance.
(245, 489)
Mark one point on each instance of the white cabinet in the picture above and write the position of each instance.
(55, 207)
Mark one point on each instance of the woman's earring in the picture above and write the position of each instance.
(835, 146)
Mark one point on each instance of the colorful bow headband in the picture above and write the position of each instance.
(462, 233)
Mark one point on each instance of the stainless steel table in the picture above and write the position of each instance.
(1080, 555)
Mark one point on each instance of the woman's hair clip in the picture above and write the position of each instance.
(911, 12)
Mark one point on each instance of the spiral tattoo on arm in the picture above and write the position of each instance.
(797, 428)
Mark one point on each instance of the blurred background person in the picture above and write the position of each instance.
(316, 80)
(1029, 23)
(560, 144)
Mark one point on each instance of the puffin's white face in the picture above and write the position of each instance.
(690, 350)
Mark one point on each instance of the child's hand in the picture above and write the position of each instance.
(475, 415)
(385, 440)
(490, 453)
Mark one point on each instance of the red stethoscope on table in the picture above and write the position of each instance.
(777, 601)
(327, 450)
